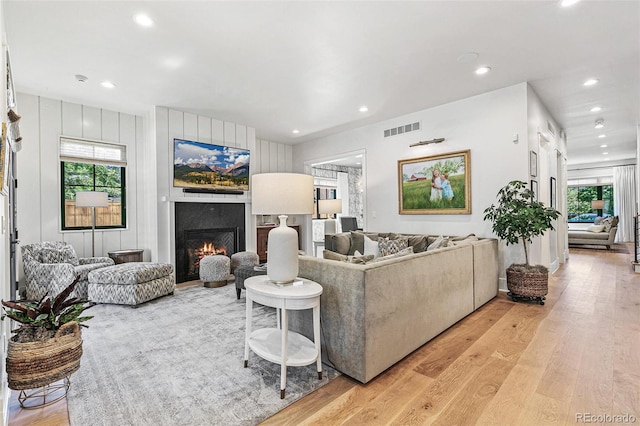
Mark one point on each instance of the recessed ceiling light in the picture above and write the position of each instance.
(603, 146)
(143, 20)
(108, 84)
(605, 153)
(482, 70)
(602, 136)
(590, 82)
(599, 123)
(567, 3)
(363, 108)
(596, 109)
(295, 131)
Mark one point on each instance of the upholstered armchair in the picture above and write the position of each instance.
(51, 266)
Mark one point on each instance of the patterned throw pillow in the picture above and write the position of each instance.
(388, 246)
(50, 256)
(607, 222)
(69, 255)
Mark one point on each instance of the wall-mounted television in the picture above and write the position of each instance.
(203, 167)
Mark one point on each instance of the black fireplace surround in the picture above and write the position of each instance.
(220, 224)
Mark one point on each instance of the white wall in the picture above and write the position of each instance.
(39, 203)
(486, 124)
(548, 145)
(266, 156)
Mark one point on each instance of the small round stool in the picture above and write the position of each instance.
(214, 270)
(243, 258)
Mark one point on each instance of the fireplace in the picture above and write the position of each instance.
(204, 229)
(207, 242)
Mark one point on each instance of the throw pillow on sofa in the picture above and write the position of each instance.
(358, 258)
(332, 255)
(357, 240)
(387, 246)
(405, 252)
(438, 243)
(371, 247)
(597, 228)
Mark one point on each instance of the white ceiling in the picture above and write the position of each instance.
(279, 66)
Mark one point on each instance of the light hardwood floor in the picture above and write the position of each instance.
(506, 364)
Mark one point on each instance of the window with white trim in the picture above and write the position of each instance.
(92, 166)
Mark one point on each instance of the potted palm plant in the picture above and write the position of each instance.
(47, 345)
(518, 217)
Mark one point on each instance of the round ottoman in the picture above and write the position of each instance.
(243, 258)
(214, 270)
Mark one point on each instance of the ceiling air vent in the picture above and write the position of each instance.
(412, 127)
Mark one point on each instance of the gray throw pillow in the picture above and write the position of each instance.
(418, 242)
(342, 243)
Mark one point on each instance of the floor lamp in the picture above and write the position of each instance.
(330, 207)
(279, 193)
(92, 199)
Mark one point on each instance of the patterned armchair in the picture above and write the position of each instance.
(51, 266)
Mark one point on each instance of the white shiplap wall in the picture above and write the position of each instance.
(39, 203)
(266, 156)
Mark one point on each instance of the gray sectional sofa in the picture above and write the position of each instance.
(375, 314)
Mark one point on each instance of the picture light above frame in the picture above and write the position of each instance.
(437, 140)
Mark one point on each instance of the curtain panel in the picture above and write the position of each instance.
(624, 201)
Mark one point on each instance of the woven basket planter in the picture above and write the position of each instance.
(32, 365)
(527, 284)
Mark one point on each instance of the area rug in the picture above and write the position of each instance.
(179, 360)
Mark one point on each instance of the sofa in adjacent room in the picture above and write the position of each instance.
(374, 314)
(601, 234)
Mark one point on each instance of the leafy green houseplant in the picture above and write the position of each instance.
(518, 217)
(47, 346)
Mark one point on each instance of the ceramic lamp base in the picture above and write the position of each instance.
(282, 253)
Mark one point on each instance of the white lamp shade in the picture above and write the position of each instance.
(330, 206)
(92, 199)
(597, 204)
(286, 193)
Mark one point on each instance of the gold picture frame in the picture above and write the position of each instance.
(422, 188)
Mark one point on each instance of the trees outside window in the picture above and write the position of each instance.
(579, 200)
(78, 177)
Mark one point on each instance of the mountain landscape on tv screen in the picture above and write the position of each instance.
(198, 165)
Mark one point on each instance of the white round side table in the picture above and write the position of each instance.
(279, 345)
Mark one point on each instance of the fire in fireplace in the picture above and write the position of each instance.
(207, 242)
(195, 256)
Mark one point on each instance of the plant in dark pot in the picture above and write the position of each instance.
(47, 346)
(518, 217)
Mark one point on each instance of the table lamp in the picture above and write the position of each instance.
(280, 193)
(597, 204)
(92, 199)
(330, 207)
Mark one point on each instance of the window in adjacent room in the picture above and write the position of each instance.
(92, 166)
(583, 202)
